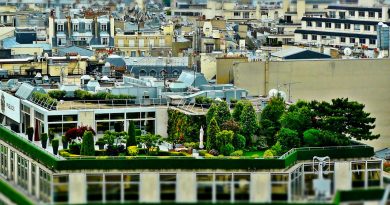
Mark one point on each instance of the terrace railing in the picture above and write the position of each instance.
(110, 104)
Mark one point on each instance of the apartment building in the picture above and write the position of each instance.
(96, 33)
(343, 26)
(145, 43)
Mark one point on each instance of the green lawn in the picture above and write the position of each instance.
(251, 153)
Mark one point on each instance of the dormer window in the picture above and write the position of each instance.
(104, 27)
(75, 27)
(88, 27)
(60, 28)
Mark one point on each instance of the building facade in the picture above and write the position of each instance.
(344, 26)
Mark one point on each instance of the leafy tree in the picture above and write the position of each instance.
(223, 113)
(316, 138)
(269, 119)
(223, 138)
(248, 123)
(239, 141)
(345, 117)
(131, 135)
(150, 141)
(277, 149)
(227, 149)
(212, 130)
(238, 109)
(231, 125)
(288, 139)
(88, 146)
(311, 137)
(211, 113)
(298, 120)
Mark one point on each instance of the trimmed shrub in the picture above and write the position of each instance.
(64, 142)
(87, 146)
(224, 137)
(237, 153)
(30, 133)
(239, 141)
(138, 132)
(44, 140)
(132, 150)
(51, 135)
(74, 148)
(131, 132)
(57, 94)
(212, 131)
(269, 154)
(227, 149)
(55, 143)
(202, 152)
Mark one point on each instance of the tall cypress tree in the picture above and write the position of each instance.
(212, 131)
(131, 135)
(248, 123)
(87, 146)
(223, 113)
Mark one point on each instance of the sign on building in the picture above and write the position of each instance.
(10, 106)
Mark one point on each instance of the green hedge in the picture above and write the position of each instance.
(13, 194)
(168, 162)
(358, 195)
(28, 148)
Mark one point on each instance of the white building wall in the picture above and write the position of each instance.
(77, 188)
(186, 187)
(343, 176)
(149, 191)
(260, 187)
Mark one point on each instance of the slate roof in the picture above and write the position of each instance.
(75, 49)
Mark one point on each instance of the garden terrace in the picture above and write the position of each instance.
(168, 162)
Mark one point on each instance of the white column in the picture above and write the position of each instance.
(149, 187)
(260, 187)
(186, 187)
(9, 162)
(77, 188)
(29, 179)
(343, 176)
(37, 170)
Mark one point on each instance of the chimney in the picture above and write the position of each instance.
(69, 26)
(96, 26)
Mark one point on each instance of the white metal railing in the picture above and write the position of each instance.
(321, 148)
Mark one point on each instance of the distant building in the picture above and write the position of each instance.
(298, 53)
(343, 26)
(96, 33)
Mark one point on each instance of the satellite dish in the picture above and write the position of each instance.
(347, 51)
(273, 93)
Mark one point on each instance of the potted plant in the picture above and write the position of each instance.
(55, 143)
(64, 142)
(30, 133)
(44, 140)
(51, 135)
(101, 142)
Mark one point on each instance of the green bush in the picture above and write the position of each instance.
(87, 146)
(237, 153)
(224, 137)
(269, 153)
(239, 141)
(203, 100)
(177, 154)
(202, 152)
(44, 98)
(57, 94)
(138, 132)
(74, 148)
(227, 149)
(132, 150)
(100, 153)
(55, 143)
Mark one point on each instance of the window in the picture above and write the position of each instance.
(113, 187)
(204, 186)
(319, 24)
(357, 27)
(142, 54)
(22, 172)
(88, 27)
(352, 40)
(133, 54)
(337, 25)
(332, 14)
(279, 187)
(241, 187)
(372, 41)
(60, 28)
(131, 187)
(209, 48)
(151, 43)
(379, 14)
(60, 188)
(367, 27)
(95, 188)
(342, 39)
(237, 14)
(104, 27)
(361, 13)
(362, 40)
(167, 187)
(104, 41)
(309, 24)
(347, 26)
(246, 15)
(44, 186)
(61, 42)
(328, 25)
(314, 37)
(162, 42)
(304, 36)
(371, 14)
(131, 43)
(323, 37)
(121, 43)
(141, 43)
(351, 13)
(315, 6)
(75, 27)
(342, 15)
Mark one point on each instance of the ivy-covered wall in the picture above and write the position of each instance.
(185, 127)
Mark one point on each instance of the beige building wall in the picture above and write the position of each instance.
(78, 190)
(186, 187)
(87, 118)
(208, 63)
(363, 80)
(343, 176)
(225, 68)
(149, 187)
(260, 187)
(162, 121)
